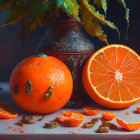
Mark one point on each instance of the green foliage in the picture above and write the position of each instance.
(101, 4)
(34, 12)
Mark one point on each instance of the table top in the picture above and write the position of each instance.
(37, 130)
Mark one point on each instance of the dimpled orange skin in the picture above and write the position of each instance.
(43, 72)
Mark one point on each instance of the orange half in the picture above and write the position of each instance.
(111, 76)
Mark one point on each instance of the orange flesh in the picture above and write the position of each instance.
(6, 112)
(113, 74)
(128, 125)
(109, 115)
(71, 118)
(91, 111)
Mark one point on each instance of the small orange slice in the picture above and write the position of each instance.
(71, 118)
(92, 111)
(6, 112)
(62, 119)
(128, 125)
(73, 114)
(138, 109)
(109, 115)
(111, 76)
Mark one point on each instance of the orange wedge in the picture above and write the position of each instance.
(71, 118)
(128, 125)
(73, 114)
(6, 112)
(111, 76)
(109, 115)
(62, 119)
(92, 111)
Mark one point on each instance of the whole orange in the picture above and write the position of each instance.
(41, 84)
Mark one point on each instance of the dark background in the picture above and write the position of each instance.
(14, 47)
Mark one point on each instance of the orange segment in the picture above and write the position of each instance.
(71, 118)
(92, 111)
(109, 115)
(128, 125)
(62, 119)
(72, 114)
(6, 112)
(111, 76)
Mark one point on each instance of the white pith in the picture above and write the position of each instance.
(118, 76)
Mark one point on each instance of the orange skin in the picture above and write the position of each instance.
(92, 111)
(92, 93)
(6, 112)
(43, 72)
(131, 126)
(138, 109)
(109, 115)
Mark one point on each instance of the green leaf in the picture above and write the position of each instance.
(17, 13)
(71, 8)
(49, 93)
(101, 4)
(39, 9)
(92, 25)
(95, 19)
(122, 2)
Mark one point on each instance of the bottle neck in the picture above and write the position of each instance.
(64, 26)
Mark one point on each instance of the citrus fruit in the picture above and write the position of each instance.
(71, 118)
(72, 114)
(41, 84)
(138, 109)
(111, 76)
(6, 112)
(92, 111)
(128, 125)
(109, 115)
(62, 119)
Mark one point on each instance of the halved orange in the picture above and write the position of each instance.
(128, 125)
(111, 76)
(6, 112)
